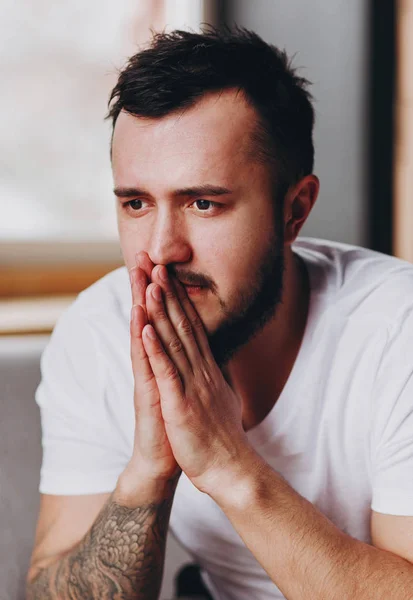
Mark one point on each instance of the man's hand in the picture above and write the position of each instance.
(202, 414)
(152, 458)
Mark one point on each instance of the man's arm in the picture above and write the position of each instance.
(122, 555)
(303, 552)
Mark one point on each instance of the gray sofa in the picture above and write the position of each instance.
(20, 460)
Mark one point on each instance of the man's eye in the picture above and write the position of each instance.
(133, 204)
(204, 205)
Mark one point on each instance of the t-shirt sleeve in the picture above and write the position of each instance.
(392, 431)
(81, 454)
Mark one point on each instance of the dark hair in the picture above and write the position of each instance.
(181, 66)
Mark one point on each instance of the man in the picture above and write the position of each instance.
(260, 383)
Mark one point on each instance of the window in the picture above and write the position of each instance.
(60, 62)
(58, 222)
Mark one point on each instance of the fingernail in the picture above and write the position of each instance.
(164, 274)
(151, 332)
(156, 293)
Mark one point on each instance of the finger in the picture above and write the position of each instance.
(165, 330)
(139, 283)
(177, 316)
(166, 374)
(150, 434)
(145, 382)
(194, 318)
(145, 263)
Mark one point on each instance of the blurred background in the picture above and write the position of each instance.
(58, 64)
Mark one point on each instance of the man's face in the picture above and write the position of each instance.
(225, 242)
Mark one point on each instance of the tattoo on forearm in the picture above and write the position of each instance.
(120, 558)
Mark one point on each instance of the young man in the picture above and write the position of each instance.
(263, 384)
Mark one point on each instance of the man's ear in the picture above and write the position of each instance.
(299, 201)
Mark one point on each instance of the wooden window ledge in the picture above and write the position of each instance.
(32, 315)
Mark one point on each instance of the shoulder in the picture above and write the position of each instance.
(362, 283)
(109, 294)
(107, 298)
(97, 319)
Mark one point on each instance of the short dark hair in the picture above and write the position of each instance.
(179, 67)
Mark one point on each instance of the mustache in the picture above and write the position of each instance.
(191, 278)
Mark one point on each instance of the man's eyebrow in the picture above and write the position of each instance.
(201, 190)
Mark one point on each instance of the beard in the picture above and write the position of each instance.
(257, 304)
(255, 308)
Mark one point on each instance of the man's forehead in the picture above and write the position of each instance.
(216, 123)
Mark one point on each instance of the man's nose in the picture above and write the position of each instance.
(168, 242)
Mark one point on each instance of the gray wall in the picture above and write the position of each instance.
(329, 40)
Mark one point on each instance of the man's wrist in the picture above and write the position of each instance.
(133, 489)
(237, 486)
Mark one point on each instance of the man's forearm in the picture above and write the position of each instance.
(122, 555)
(303, 552)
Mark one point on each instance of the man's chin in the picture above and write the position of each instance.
(216, 331)
(227, 339)
(232, 334)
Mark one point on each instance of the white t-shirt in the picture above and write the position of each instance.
(341, 432)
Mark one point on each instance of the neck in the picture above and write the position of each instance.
(259, 371)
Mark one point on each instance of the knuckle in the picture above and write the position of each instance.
(205, 375)
(171, 373)
(158, 351)
(184, 326)
(169, 295)
(147, 384)
(175, 345)
(160, 315)
(140, 279)
(197, 323)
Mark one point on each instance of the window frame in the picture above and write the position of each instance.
(403, 147)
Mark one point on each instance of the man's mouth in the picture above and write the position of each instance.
(193, 289)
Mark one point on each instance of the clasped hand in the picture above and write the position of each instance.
(187, 416)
